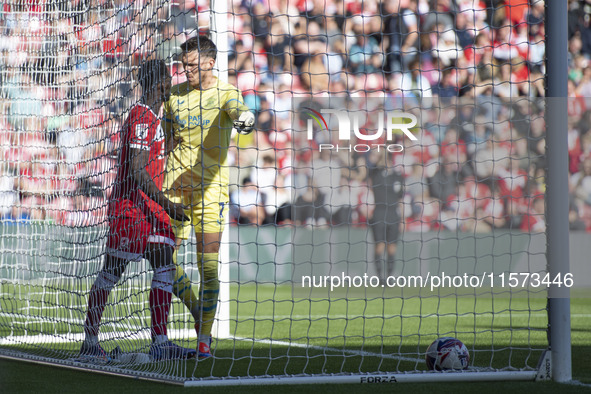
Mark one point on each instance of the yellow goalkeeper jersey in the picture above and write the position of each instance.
(201, 122)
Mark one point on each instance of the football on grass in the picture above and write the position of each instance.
(447, 354)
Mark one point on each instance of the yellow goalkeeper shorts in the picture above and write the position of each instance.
(207, 210)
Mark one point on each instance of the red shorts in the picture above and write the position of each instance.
(130, 231)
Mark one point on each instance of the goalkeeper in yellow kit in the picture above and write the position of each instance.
(199, 116)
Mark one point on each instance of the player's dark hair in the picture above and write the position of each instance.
(152, 72)
(202, 44)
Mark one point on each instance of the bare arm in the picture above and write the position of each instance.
(139, 164)
(411, 37)
(168, 127)
(310, 46)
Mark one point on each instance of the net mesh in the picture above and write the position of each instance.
(471, 193)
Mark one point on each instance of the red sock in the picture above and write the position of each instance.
(159, 308)
(96, 305)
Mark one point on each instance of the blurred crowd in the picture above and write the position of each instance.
(68, 81)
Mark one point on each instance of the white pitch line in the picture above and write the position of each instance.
(327, 349)
(44, 338)
(348, 351)
(504, 315)
(49, 339)
(185, 334)
(577, 383)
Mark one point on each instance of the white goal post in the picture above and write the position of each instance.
(219, 32)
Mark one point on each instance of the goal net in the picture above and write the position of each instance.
(392, 193)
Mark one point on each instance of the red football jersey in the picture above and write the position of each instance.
(141, 131)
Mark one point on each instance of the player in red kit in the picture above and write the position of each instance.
(139, 223)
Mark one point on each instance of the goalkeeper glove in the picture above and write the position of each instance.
(245, 123)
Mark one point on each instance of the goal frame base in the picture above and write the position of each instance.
(414, 377)
(542, 374)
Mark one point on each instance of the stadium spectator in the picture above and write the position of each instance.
(340, 203)
(446, 86)
(327, 171)
(534, 220)
(425, 214)
(365, 55)
(279, 204)
(465, 34)
(400, 34)
(248, 202)
(444, 184)
(575, 223)
(309, 208)
(309, 51)
(581, 183)
(276, 44)
(413, 83)
(8, 194)
(281, 49)
(264, 176)
(169, 47)
(446, 49)
(184, 15)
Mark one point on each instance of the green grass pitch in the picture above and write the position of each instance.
(277, 331)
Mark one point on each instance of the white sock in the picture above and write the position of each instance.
(204, 338)
(163, 278)
(91, 340)
(106, 280)
(158, 339)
